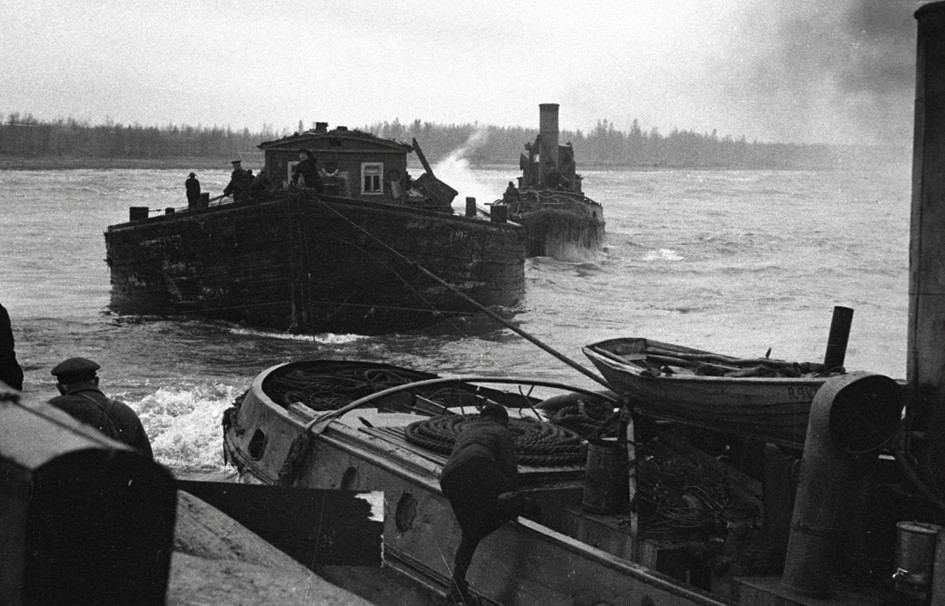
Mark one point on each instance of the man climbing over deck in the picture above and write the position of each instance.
(480, 480)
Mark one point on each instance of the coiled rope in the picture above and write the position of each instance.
(588, 418)
(537, 443)
(331, 389)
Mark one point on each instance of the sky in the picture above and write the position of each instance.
(793, 71)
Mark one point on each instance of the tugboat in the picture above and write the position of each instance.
(548, 200)
(373, 252)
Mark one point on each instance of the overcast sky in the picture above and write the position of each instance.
(807, 71)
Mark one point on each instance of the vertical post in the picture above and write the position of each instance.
(630, 436)
(470, 206)
(926, 356)
(839, 335)
(548, 146)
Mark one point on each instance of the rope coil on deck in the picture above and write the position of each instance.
(538, 443)
(331, 389)
(588, 418)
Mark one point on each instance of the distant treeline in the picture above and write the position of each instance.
(25, 137)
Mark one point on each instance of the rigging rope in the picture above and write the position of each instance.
(534, 340)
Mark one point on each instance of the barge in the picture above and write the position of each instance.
(373, 252)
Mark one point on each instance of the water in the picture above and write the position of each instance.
(730, 261)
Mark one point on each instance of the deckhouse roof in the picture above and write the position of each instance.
(322, 138)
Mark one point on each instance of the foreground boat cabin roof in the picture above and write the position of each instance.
(354, 163)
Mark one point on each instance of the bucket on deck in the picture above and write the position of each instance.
(605, 478)
(915, 553)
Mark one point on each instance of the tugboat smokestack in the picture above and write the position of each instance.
(548, 148)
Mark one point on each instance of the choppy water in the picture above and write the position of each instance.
(731, 261)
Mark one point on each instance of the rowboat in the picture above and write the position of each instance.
(352, 425)
(758, 398)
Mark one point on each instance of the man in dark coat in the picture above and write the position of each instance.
(83, 400)
(480, 479)
(307, 169)
(239, 183)
(10, 371)
(193, 191)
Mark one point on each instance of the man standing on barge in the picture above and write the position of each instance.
(480, 479)
(307, 169)
(192, 185)
(239, 183)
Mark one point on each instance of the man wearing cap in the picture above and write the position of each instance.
(480, 479)
(239, 182)
(82, 399)
(192, 185)
(305, 174)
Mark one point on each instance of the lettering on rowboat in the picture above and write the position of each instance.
(802, 392)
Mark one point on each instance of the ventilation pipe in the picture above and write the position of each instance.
(548, 146)
(851, 418)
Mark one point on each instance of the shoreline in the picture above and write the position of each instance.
(256, 159)
(184, 163)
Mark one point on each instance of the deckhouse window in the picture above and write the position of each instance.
(372, 176)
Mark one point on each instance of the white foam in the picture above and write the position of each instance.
(663, 254)
(184, 425)
(327, 338)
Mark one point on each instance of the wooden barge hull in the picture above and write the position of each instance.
(313, 265)
(771, 409)
(523, 563)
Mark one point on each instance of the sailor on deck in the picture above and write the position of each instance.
(83, 400)
(307, 169)
(192, 185)
(240, 181)
(480, 479)
(511, 194)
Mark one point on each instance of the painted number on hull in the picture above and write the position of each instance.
(802, 392)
